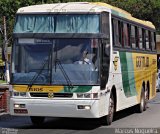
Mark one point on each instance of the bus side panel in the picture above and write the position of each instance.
(134, 69)
(138, 68)
(145, 71)
(123, 80)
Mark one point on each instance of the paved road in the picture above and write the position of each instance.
(124, 119)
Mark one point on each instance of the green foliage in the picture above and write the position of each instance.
(148, 10)
(143, 9)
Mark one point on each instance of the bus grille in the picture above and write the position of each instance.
(63, 95)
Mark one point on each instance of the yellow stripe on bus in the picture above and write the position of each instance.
(35, 88)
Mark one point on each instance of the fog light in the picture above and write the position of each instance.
(16, 106)
(87, 107)
(19, 105)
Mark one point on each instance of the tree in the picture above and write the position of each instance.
(148, 10)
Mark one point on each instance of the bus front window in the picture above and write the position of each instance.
(56, 61)
(30, 61)
(79, 59)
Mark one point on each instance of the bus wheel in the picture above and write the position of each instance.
(146, 98)
(110, 110)
(37, 120)
(107, 120)
(141, 106)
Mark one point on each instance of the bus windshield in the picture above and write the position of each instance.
(54, 59)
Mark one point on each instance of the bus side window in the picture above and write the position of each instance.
(153, 41)
(147, 40)
(143, 39)
(105, 23)
(140, 38)
(133, 37)
(120, 32)
(116, 26)
(126, 35)
(137, 37)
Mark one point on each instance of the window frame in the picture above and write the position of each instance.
(117, 38)
(139, 34)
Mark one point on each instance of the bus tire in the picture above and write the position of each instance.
(37, 120)
(146, 98)
(107, 120)
(141, 105)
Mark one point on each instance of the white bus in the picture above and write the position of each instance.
(85, 60)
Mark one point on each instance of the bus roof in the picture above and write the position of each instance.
(81, 7)
(63, 7)
(122, 13)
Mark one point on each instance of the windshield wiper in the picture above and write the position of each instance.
(58, 62)
(41, 69)
(37, 74)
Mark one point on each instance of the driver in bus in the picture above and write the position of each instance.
(86, 59)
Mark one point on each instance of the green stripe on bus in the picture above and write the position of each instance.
(131, 74)
(77, 89)
(124, 69)
(128, 78)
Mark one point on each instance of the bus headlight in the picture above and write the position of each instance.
(87, 95)
(19, 106)
(79, 95)
(95, 95)
(20, 94)
(83, 95)
(23, 94)
(15, 93)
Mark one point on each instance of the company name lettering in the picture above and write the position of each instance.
(142, 61)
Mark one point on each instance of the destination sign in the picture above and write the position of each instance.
(43, 41)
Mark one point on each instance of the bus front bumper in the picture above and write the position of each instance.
(55, 108)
